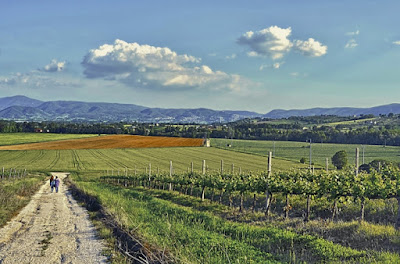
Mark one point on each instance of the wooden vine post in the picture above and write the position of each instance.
(170, 175)
(362, 211)
(267, 192)
(327, 165)
(203, 189)
(149, 175)
(398, 212)
(357, 160)
(308, 209)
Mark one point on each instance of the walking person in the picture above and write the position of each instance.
(57, 183)
(52, 183)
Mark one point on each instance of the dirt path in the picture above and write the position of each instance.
(52, 228)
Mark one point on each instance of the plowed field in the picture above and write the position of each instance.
(110, 142)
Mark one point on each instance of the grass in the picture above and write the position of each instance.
(186, 239)
(119, 159)
(294, 151)
(22, 138)
(15, 194)
(201, 236)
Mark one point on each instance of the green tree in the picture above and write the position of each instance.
(340, 159)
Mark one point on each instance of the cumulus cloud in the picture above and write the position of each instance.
(351, 44)
(275, 43)
(310, 47)
(272, 41)
(54, 66)
(397, 42)
(145, 66)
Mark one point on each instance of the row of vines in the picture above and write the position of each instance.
(333, 185)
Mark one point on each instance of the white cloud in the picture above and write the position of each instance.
(310, 47)
(145, 66)
(354, 33)
(294, 74)
(37, 80)
(272, 41)
(397, 42)
(351, 44)
(275, 65)
(252, 54)
(54, 66)
(275, 43)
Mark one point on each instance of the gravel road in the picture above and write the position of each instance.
(52, 228)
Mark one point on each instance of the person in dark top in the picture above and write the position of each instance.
(57, 183)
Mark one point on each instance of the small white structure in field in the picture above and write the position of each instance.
(207, 143)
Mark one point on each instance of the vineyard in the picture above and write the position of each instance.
(333, 186)
(190, 212)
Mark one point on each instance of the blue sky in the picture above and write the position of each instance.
(256, 56)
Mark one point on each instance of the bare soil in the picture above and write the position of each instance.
(52, 228)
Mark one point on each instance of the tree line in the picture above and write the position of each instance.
(292, 130)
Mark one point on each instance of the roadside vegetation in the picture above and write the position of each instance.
(16, 193)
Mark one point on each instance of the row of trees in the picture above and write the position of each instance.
(326, 134)
(377, 135)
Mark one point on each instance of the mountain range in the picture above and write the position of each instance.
(23, 108)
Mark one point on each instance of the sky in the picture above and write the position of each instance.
(224, 55)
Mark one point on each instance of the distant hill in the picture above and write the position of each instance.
(339, 111)
(24, 108)
(18, 100)
(27, 109)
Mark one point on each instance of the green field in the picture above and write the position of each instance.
(22, 138)
(119, 159)
(294, 151)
